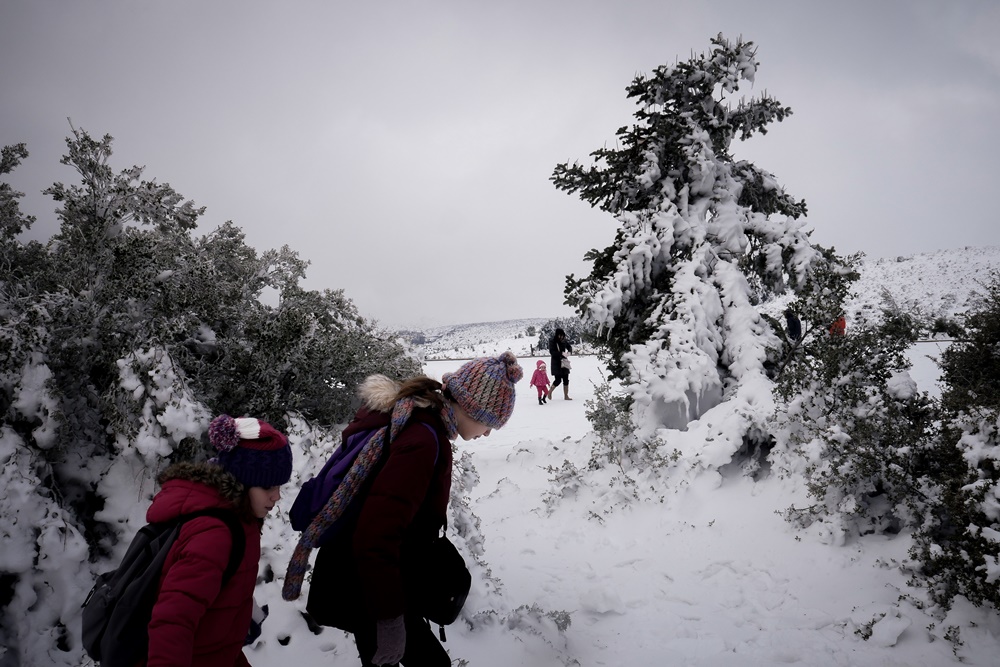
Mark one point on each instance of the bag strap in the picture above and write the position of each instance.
(444, 525)
(228, 517)
(437, 442)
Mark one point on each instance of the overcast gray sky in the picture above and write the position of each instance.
(404, 148)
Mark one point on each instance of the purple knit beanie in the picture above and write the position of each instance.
(251, 450)
(485, 388)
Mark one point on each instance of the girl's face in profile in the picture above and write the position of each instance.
(468, 427)
(263, 499)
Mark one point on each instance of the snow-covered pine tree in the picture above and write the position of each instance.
(702, 238)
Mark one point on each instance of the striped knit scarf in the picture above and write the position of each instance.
(368, 457)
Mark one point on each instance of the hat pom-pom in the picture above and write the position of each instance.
(222, 433)
(514, 370)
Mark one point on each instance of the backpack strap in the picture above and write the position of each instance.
(228, 517)
(444, 526)
(437, 454)
(437, 443)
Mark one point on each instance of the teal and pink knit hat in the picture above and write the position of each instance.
(485, 388)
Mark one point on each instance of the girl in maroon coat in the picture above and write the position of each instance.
(362, 581)
(197, 621)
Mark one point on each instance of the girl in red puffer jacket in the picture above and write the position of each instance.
(197, 620)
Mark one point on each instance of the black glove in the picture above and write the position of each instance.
(256, 623)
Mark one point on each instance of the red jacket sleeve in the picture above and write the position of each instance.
(397, 493)
(191, 581)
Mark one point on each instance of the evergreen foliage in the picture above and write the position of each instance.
(576, 331)
(879, 456)
(854, 415)
(614, 441)
(971, 367)
(12, 221)
(848, 414)
(702, 237)
(119, 339)
(958, 547)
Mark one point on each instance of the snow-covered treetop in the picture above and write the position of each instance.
(701, 237)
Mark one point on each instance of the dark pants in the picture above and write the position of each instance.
(561, 376)
(422, 648)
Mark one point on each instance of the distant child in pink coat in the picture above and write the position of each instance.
(540, 381)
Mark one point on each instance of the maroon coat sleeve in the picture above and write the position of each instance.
(397, 493)
(191, 581)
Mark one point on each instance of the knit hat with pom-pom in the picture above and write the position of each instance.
(251, 450)
(485, 388)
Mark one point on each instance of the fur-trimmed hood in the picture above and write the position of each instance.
(189, 487)
(379, 392)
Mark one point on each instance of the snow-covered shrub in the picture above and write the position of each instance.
(608, 413)
(119, 339)
(616, 441)
(971, 367)
(702, 239)
(564, 482)
(958, 549)
(849, 417)
(42, 563)
(577, 332)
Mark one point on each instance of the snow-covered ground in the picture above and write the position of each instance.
(577, 567)
(706, 575)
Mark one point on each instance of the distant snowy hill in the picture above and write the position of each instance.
(937, 284)
(474, 340)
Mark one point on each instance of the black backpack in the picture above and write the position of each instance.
(117, 611)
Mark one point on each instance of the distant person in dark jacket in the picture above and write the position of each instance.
(793, 325)
(363, 581)
(560, 349)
